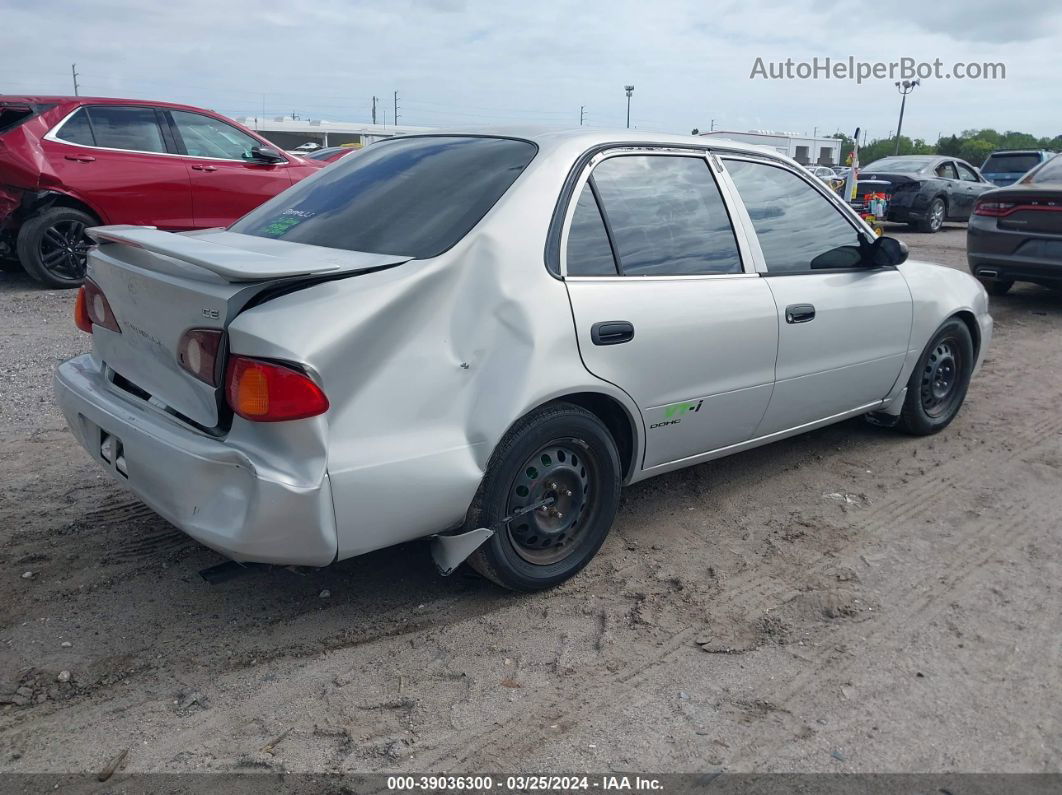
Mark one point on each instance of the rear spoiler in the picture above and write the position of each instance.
(244, 258)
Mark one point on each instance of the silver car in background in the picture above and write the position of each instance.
(480, 338)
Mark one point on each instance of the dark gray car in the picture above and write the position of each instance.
(924, 190)
(1015, 233)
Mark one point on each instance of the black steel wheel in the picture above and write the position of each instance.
(550, 494)
(52, 246)
(557, 474)
(937, 386)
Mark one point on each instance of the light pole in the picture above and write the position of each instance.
(629, 90)
(905, 88)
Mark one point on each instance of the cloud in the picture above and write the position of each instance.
(479, 62)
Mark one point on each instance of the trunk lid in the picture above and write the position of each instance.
(159, 285)
(1034, 210)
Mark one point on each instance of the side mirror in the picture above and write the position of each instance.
(264, 154)
(886, 251)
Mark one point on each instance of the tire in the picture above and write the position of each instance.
(52, 245)
(997, 286)
(549, 453)
(934, 219)
(937, 387)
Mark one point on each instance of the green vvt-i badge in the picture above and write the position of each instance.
(674, 413)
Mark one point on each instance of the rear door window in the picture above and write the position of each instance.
(966, 174)
(589, 251)
(947, 170)
(666, 216)
(77, 130)
(414, 196)
(125, 127)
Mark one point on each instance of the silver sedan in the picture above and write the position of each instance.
(480, 338)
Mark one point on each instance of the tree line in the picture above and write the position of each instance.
(973, 146)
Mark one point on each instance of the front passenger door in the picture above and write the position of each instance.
(843, 329)
(226, 183)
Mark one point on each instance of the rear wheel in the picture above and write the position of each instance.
(997, 286)
(565, 457)
(934, 219)
(937, 387)
(52, 246)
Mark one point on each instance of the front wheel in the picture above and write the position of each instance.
(563, 459)
(937, 387)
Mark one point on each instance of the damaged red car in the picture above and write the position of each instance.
(69, 163)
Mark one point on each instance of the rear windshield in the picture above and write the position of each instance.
(11, 116)
(412, 197)
(899, 165)
(1051, 172)
(1015, 163)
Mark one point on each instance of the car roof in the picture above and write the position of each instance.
(77, 100)
(581, 139)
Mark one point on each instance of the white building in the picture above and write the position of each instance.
(802, 148)
(289, 133)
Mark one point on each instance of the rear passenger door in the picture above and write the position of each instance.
(843, 328)
(665, 302)
(118, 159)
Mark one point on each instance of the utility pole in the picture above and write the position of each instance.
(582, 114)
(629, 90)
(374, 110)
(396, 109)
(711, 127)
(73, 71)
(905, 88)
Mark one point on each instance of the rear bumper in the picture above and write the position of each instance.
(221, 496)
(1008, 255)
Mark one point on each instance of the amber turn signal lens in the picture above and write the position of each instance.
(268, 392)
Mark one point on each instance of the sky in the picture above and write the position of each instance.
(473, 63)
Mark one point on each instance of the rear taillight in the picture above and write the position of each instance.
(81, 318)
(267, 392)
(994, 209)
(91, 309)
(197, 352)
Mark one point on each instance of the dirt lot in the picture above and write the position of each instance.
(849, 600)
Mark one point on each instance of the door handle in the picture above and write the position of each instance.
(799, 313)
(611, 332)
(80, 158)
(201, 167)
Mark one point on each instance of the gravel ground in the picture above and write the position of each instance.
(850, 600)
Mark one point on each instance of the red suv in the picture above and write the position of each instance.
(67, 163)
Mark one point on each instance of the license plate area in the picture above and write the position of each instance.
(112, 451)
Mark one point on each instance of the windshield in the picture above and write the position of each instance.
(1011, 163)
(899, 165)
(412, 197)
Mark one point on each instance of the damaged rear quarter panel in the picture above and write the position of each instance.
(426, 365)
